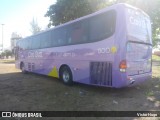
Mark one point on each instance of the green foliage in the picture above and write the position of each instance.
(155, 58)
(156, 37)
(6, 53)
(2, 54)
(66, 10)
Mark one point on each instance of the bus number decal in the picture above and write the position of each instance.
(103, 50)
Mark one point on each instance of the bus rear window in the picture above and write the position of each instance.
(136, 51)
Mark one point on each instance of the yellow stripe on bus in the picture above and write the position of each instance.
(53, 73)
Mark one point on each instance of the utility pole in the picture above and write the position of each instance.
(2, 36)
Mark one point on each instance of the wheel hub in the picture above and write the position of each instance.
(65, 76)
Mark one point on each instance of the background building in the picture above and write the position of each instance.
(14, 38)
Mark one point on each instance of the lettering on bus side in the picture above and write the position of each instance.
(137, 22)
(69, 54)
(31, 54)
(38, 54)
(35, 54)
(136, 18)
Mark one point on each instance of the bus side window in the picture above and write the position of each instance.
(60, 36)
(97, 28)
(44, 38)
(49, 40)
(70, 33)
(38, 43)
(53, 38)
(17, 46)
(21, 45)
(77, 33)
(35, 42)
(29, 43)
(85, 27)
(101, 26)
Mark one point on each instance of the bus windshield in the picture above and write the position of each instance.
(138, 26)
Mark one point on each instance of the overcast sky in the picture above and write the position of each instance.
(17, 15)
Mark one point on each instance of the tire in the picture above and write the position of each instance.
(22, 66)
(66, 75)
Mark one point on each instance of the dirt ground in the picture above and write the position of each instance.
(32, 92)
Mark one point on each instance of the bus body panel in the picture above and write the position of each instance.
(77, 57)
(96, 63)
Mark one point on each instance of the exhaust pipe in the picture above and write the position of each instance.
(131, 82)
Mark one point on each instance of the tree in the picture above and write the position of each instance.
(66, 10)
(2, 55)
(34, 26)
(6, 53)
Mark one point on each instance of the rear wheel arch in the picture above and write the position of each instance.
(22, 67)
(21, 64)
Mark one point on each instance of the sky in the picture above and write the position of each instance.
(16, 16)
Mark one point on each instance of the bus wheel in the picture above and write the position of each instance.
(22, 66)
(66, 75)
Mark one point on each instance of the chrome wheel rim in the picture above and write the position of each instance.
(23, 68)
(65, 76)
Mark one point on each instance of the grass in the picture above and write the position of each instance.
(150, 93)
(156, 71)
(155, 58)
(7, 61)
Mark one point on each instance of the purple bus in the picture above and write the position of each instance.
(111, 47)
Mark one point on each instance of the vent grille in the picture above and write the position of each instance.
(101, 73)
(33, 67)
(29, 66)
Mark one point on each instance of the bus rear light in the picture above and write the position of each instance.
(123, 66)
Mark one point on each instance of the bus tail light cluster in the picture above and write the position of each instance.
(123, 66)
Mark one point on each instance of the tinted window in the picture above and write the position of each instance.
(18, 44)
(88, 30)
(25, 44)
(29, 40)
(49, 40)
(35, 42)
(78, 33)
(59, 37)
(45, 40)
(102, 26)
(21, 45)
(53, 38)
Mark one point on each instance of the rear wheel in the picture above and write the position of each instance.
(66, 75)
(22, 66)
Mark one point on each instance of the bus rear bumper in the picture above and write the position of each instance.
(137, 79)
